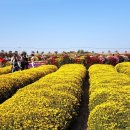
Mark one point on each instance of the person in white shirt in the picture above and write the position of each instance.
(32, 60)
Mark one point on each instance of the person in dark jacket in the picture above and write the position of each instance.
(15, 66)
(24, 62)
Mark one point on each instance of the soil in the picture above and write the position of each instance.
(80, 123)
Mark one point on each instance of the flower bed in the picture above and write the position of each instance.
(109, 101)
(5, 70)
(50, 103)
(123, 68)
(9, 83)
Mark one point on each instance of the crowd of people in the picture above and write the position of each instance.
(21, 63)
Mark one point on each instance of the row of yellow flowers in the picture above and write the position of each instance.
(9, 83)
(48, 104)
(123, 67)
(5, 70)
(109, 100)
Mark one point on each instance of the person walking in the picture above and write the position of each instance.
(26, 62)
(32, 60)
(15, 66)
(22, 62)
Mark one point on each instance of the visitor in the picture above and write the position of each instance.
(15, 66)
(22, 59)
(24, 62)
(32, 60)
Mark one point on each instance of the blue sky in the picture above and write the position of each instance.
(48, 25)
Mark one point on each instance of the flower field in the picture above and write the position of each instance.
(49, 103)
(5, 70)
(123, 67)
(109, 102)
(49, 98)
(9, 83)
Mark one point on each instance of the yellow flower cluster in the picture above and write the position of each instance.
(109, 100)
(123, 67)
(9, 83)
(48, 104)
(5, 70)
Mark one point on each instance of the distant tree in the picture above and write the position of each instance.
(109, 52)
(72, 51)
(42, 52)
(37, 52)
(125, 52)
(86, 51)
(116, 51)
(93, 52)
(16, 52)
(24, 53)
(56, 52)
(32, 52)
(10, 54)
(80, 51)
(2, 51)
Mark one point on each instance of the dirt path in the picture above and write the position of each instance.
(81, 122)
